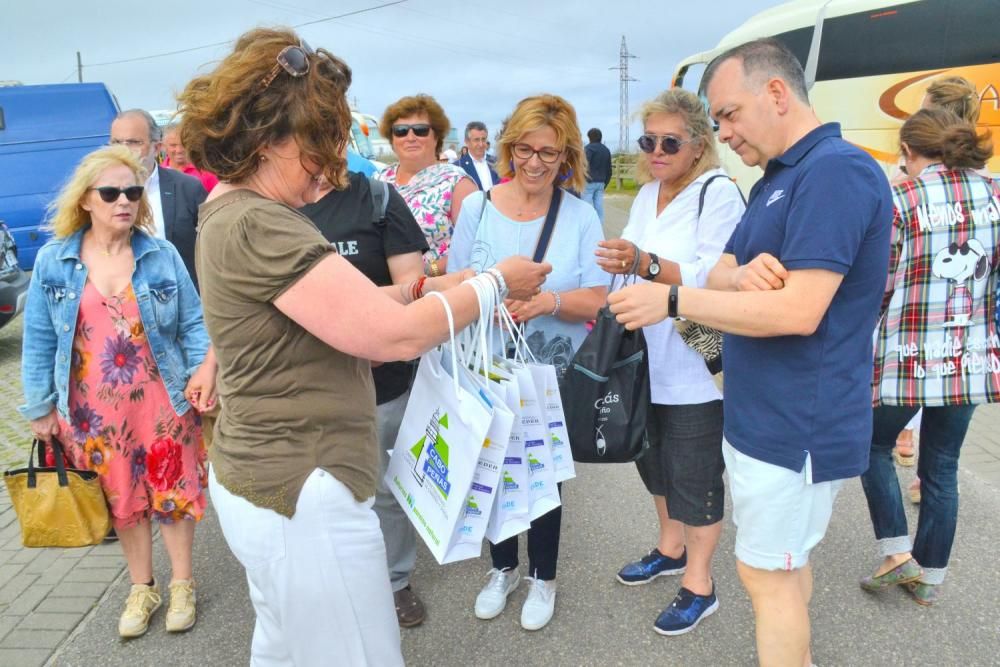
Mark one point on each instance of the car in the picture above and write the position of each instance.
(13, 280)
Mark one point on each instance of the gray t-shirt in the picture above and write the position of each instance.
(480, 244)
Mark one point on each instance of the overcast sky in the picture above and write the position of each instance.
(478, 58)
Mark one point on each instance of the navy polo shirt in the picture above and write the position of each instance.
(823, 204)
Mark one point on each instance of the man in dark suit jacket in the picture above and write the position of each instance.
(475, 164)
(174, 197)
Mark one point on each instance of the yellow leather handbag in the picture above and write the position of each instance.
(57, 507)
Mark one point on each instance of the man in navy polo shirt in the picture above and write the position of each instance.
(797, 292)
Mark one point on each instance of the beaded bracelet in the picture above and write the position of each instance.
(558, 307)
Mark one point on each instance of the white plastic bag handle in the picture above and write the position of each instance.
(453, 342)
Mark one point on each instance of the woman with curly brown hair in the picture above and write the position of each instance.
(433, 190)
(294, 458)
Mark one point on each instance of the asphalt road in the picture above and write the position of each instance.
(609, 519)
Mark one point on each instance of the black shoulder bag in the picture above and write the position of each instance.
(605, 391)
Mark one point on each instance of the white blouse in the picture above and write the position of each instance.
(678, 375)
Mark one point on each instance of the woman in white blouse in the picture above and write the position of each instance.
(679, 224)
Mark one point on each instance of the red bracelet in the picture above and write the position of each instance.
(418, 288)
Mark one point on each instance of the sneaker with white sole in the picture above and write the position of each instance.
(142, 601)
(493, 598)
(540, 605)
(181, 611)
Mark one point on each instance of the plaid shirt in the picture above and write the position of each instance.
(937, 338)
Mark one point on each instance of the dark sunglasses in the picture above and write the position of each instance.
(293, 59)
(111, 195)
(670, 145)
(419, 129)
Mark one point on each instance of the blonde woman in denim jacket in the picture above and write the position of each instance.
(115, 354)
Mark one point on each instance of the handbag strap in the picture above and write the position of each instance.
(57, 454)
(542, 246)
(704, 188)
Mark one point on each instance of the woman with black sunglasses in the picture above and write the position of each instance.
(115, 357)
(678, 226)
(433, 190)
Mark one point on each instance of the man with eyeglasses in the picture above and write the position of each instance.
(474, 163)
(174, 197)
(598, 171)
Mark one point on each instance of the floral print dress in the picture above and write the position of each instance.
(429, 195)
(122, 425)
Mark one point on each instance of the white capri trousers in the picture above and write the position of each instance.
(318, 581)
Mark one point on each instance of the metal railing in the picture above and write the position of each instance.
(623, 167)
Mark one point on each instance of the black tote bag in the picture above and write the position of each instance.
(605, 394)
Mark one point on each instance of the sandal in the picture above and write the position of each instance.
(410, 610)
(913, 491)
(904, 573)
(905, 453)
(923, 594)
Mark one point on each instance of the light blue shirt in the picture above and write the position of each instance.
(481, 243)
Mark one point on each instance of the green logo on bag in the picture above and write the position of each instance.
(431, 460)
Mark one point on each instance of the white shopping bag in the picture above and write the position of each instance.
(542, 488)
(469, 535)
(436, 454)
(547, 386)
(511, 504)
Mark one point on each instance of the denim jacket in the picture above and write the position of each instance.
(169, 308)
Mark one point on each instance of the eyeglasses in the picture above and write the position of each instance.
(671, 145)
(110, 195)
(403, 129)
(547, 155)
(131, 143)
(293, 59)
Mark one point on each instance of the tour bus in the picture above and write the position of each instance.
(868, 63)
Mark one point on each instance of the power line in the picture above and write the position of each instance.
(229, 41)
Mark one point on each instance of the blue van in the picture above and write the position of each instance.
(44, 133)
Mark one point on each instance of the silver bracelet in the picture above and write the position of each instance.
(555, 311)
(501, 283)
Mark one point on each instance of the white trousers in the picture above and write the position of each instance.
(318, 581)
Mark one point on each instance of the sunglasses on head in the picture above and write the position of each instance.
(670, 145)
(403, 129)
(111, 195)
(293, 59)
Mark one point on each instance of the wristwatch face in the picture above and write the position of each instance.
(654, 268)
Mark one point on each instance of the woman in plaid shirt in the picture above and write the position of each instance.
(937, 342)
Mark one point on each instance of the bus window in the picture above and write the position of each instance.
(798, 42)
(913, 37)
(690, 77)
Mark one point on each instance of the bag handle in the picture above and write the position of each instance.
(57, 454)
(451, 332)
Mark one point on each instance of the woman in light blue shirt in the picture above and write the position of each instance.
(540, 149)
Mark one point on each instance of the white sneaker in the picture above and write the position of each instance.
(493, 598)
(540, 605)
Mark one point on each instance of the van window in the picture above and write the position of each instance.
(934, 34)
(690, 78)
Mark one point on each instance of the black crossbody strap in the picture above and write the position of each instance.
(550, 224)
(704, 187)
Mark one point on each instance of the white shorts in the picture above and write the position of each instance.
(779, 514)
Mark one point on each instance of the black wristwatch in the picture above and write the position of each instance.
(654, 267)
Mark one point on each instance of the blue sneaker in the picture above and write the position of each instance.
(650, 567)
(686, 612)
